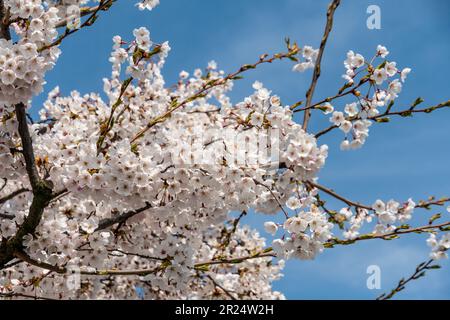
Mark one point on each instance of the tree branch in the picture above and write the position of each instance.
(329, 99)
(4, 23)
(390, 235)
(212, 84)
(337, 196)
(262, 254)
(139, 272)
(379, 118)
(228, 293)
(27, 146)
(106, 223)
(104, 5)
(13, 195)
(420, 205)
(418, 273)
(42, 192)
(309, 94)
(23, 295)
(83, 12)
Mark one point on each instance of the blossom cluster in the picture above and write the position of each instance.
(439, 247)
(310, 56)
(385, 214)
(24, 63)
(357, 116)
(184, 199)
(147, 4)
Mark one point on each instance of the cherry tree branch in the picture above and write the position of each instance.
(4, 24)
(143, 256)
(329, 99)
(83, 12)
(27, 147)
(62, 270)
(390, 235)
(384, 117)
(108, 125)
(212, 84)
(418, 273)
(228, 293)
(229, 233)
(23, 295)
(121, 218)
(337, 196)
(138, 272)
(104, 5)
(421, 204)
(309, 94)
(42, 192)
(12, 195)
(261, 254)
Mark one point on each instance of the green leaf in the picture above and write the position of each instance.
(345, 86)
(418, 101)
(434, 267)
(391, 237)
(380, 66)
(406, 114)
(434, 217)
(247, 67)
(382, 120)
(420, 275)
(389, 107)
(134, 148)
(297, 104)
(202, 267)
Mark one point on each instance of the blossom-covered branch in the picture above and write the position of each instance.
(384, 117)
(392, 235)
(293, 51)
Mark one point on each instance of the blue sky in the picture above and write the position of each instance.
(404, 158)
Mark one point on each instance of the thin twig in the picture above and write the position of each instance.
(337, 196)
(23, 295)
(13, 195)
(309, 94)
(106, 223)
(329, 99)
(104, 5)
(216, 284)
(418, 273)
(262, 254)
(83, 12)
